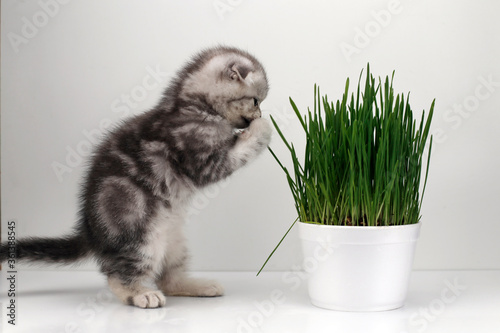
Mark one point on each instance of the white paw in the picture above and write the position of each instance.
(210, 289)
(149, 299)
(195, 288)
(261, 128)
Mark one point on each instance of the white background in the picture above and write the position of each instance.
(67, 69)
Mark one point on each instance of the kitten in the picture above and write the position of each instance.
(144, 173)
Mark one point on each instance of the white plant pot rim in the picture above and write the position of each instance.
(361, 234)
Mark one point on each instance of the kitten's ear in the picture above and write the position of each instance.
(238, 71)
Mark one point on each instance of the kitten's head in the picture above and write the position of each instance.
(232, 82)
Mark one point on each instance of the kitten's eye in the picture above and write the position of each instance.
(255, 102)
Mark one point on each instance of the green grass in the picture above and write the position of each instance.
(363, 158)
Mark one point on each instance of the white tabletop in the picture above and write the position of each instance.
(79, 301)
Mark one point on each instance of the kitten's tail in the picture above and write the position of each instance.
(64, 250)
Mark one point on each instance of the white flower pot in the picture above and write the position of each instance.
(358, 268)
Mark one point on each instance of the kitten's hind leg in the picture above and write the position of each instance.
(136, 294)
(176, 282)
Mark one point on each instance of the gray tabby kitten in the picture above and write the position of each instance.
(144, 173)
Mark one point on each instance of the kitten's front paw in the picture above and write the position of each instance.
(195, 288)
(148, 299)
(261, 129)
(210, 289)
